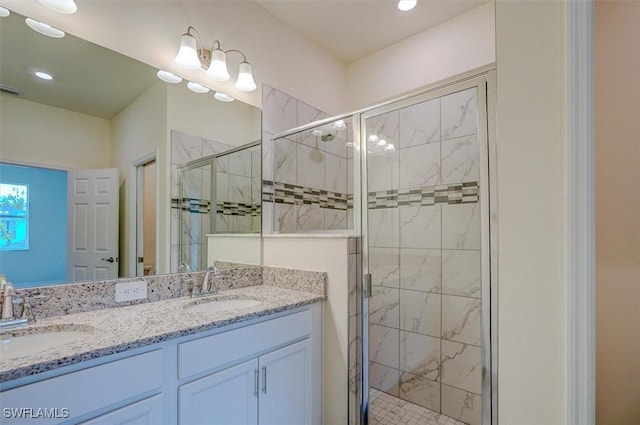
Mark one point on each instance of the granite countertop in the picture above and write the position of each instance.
(114, 330)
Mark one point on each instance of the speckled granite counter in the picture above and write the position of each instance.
(114, 330)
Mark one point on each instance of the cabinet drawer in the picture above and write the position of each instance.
(229, 347)
(147, 411)
(86, 390)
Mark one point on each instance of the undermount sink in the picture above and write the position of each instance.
(222, 304)
(26, 341)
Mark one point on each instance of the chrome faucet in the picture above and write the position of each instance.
(205, 281)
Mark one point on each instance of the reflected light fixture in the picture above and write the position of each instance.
(382, 143)
(213, 60)
(44, 29)
(197, 88)
(223, 97)
(43, 75)
(406, 5)
(4, 12)
(373, 138)
(168, 77)
(390, 147)
(61, 6)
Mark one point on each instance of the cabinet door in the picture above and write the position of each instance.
(285, 386)
(228, 397)
(144, 412)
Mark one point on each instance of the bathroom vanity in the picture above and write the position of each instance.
(241, 356)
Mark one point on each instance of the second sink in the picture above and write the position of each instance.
(222, 304)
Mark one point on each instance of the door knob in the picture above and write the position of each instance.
(110, 259)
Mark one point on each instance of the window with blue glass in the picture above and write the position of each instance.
(14, 217)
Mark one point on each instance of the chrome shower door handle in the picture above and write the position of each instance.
(255, 382)
(264, 379)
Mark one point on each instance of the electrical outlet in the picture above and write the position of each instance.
(131, 291)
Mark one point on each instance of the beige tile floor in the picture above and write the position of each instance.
(389, 410)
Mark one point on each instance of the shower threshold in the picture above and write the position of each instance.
(386, 409)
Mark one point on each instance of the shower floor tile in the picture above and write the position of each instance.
(389, 410)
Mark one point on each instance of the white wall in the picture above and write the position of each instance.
(150, 32)
(617, 103)
(531, 144)
(233, 123)
(138, 130)
(244, 248)
(453, 47)
(327, 254)
(39, 134)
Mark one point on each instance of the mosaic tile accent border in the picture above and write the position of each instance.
(285, 193)
(451, 194)
(203, 206)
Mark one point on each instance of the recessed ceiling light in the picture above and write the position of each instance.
(406, 5)
(43, 75)
(223, 97)
(61, 6)
(197, 88)
(168, 77)
(4, 12)
(44, 29)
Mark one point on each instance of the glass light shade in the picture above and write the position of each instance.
(44, 29)
(61, 6)
(197, 88)
(339, 125)
(405, 5)
(381, 143)
(168, 77)
(218, 69)
(245, 78)
(390, 147)
(4, 12)
(223, 97)
(373, 138)
(187, 56)
(316, 132)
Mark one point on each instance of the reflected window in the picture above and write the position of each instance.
(14, 217)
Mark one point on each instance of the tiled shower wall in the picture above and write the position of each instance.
(237, 196)
(424, 255)
(307, 181)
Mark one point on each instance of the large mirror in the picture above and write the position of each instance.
(102, 166)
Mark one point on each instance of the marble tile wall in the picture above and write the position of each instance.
(424, 255)
(316, 166)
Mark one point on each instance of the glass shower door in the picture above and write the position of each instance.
(425, 251)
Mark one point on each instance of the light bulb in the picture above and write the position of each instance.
(339, 125)
(218, 69)
(197, 88)
(223, 97)
(245, 78)
(187, 56)
(61, 6)
(317, 132)
(44, 29)
(43, 75)
(168, 77)
(405, 5)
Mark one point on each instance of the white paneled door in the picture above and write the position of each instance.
(92, 231)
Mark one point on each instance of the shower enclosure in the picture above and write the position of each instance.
(418, 189)
(218, 194)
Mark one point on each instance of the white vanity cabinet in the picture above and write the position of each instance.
(264, 371)
(266, 378)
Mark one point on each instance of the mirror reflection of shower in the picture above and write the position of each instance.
(218, 194)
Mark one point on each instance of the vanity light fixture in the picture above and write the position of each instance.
(4, 12)
(197, 88)
(168, 77)
(213, 60)
(44, 29)
(61, 6)
(406, 5)
(339, 125)
(223, 97)
(43, 75)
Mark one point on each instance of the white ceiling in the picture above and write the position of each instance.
(352, 29)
